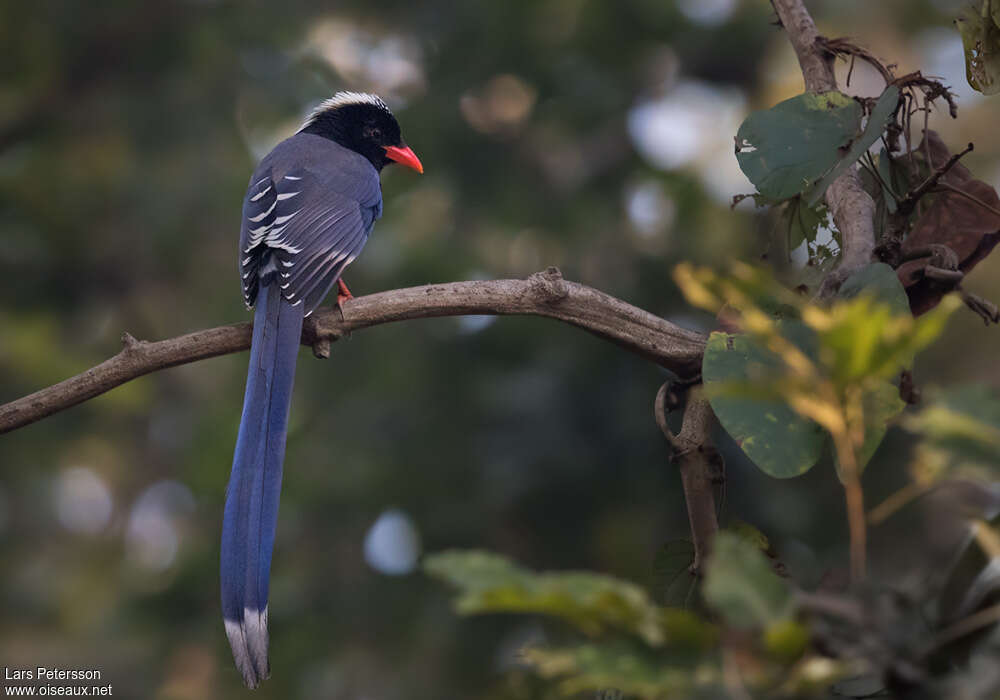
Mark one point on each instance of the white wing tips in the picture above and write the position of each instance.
(260, 217)
(248, 639)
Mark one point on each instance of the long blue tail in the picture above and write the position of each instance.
(255, 484)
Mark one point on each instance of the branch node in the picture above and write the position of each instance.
(942, 275)
(985, 308)
(909, 202)
(831, 284)
(321, 348)
(549, 285)
(129, 343)
(941, 256)
(666, 400)
(320, 331)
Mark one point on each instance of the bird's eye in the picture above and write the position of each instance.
(375, 133)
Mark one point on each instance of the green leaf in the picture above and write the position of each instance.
(881, 404)
(960, 430)
(749, 533)
(786, 640)
(980, 30)
(779, 441)
(773, 387)
(785, 149)
(633, 671)
(886, 172)
(759, 200)
(687, 632)
(742, 586)
(592, 602)
(880, 282)
(862, 340)
(877, 122)
(673, 582)
(801, 222)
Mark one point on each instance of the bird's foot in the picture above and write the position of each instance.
(343, 294)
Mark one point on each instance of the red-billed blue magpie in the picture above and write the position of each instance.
(307, 214)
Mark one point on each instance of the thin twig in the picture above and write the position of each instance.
(844, 46)
(855, 500)
(941, 255)
(829, 605)
(543, 294)
(926, 141)
(971, 197)
(909, 202)
(968, 625)
(939, 274)
(904, 496)
(984, 308)
(869, 164)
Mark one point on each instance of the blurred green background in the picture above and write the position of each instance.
(596, 136)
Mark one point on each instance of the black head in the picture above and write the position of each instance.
(364, 124)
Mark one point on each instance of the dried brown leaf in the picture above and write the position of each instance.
(966, 227)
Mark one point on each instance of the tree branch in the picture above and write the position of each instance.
(909, 202)
(544, 294)
(699, 464)
(853, 209)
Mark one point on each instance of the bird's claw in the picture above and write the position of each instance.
(343, 294)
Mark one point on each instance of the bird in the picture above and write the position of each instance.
(309, 209)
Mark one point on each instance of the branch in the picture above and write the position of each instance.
(700, 466)
(544, 294)
(972, 623)
(853, 209)
(842, 46)
(909, 202)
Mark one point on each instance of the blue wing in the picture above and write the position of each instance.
(310, 221)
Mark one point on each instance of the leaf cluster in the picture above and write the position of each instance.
(642, 649)
(782, 385)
